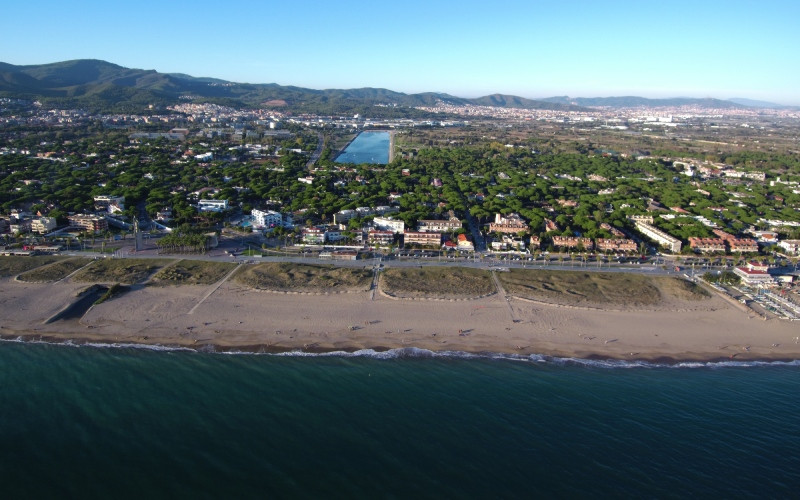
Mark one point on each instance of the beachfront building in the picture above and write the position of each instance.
(389, 224)
(380, 238)
(790, 246)
(742, 245)
(573, 242)
(313, 236)
(344, 255)
(344, 216)
(465, 244)
(91, 223)
(737, 245)
(422, 239)
(439, 226)
(19, 225)
(332, 234)
(499, 246)
(662, 238)
(266, 218)
(707, 245)
(511, 223)
(754, 277)
(43, 225)
(616, 245)
(212, 205)
(508, 242)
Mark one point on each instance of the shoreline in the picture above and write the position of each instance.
(410, 352)
(234, 318)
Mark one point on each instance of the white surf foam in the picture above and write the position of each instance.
(418, 353)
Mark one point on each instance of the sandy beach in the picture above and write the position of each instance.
(229, 316)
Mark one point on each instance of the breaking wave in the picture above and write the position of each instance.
(417, 353)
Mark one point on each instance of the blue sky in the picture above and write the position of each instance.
(465, 48)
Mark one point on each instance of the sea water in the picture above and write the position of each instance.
(367, 147)
(94, 422)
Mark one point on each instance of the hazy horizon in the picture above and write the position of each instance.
(713, 49)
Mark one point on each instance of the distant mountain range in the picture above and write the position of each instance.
(102, 86)
(634, 101)
(752, 103)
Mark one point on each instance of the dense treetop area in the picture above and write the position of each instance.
(579, 191)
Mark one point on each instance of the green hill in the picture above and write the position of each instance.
(102, 86)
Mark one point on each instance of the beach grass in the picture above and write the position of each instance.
(13, 265)
(597, 288)
(681, 289)
(53, 272)
(287, 276)
(192, 272)
(127, 271)
(437, 282)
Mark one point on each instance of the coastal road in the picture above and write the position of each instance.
(238, 243)
(484, 263)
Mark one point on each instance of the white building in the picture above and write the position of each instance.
(332, 235)
(266, 218)
(212, 205)
(43, 225)
(313, 236)
(753, 277)
(439, 226)
(791, 246)
(343, 216)
(110, 204)
(663, 239)
(389, 224)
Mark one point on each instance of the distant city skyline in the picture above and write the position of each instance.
(468, 49)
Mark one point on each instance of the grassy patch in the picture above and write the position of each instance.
(55, 271)
(681, 289)
(597, 289)
(581, 288)
(437, 282)
(14, 265)
(286, 276)
(193, 272)
(113, 291)
(120, 270)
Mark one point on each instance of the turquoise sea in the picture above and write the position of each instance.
(367, 147)
(117, 422)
